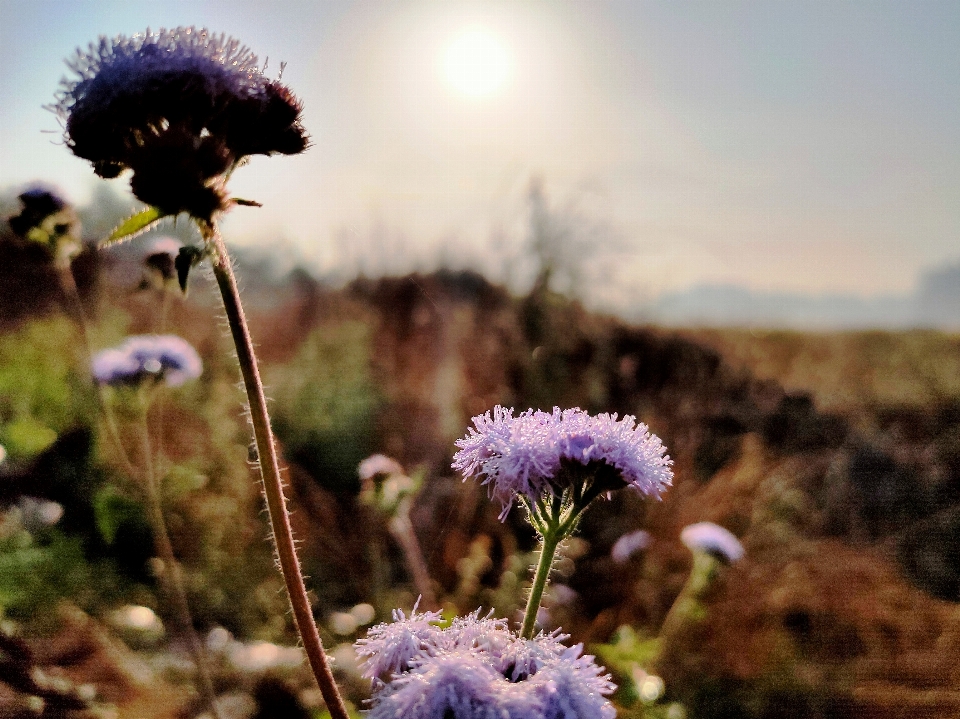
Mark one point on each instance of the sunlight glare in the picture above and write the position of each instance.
(476, 63)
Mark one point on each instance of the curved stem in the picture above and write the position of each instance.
(402, 530)
(551, 540)
(270, 473)
(172, 574)
(69, 286)
(701, 576)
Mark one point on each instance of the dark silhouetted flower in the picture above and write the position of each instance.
(48, 219)
(180, 108)
(166, 358)
(477, 667)
(712, 539)
(159, 263)
(524, 455)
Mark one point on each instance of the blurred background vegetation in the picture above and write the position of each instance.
(835, 458)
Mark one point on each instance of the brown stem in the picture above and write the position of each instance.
(270, 473)
(402, 530)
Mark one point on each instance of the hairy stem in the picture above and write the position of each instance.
(548, 549)
(172, 577)
(270, 473)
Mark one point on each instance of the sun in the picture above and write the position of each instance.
(476, 63)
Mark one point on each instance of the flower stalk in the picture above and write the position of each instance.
(548, 550)
(270, 473)
(171, 576)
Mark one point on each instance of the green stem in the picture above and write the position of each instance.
(681, 612)
(75, 307)
(270, 473)
(551, 540)
(172, 576)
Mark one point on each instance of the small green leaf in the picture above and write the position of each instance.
(134, 225)
(188, 258)
(111, 511)
(245, 203)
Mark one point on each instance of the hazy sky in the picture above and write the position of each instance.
(781, 145)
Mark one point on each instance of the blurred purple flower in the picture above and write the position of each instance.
(180, 108)
(476, 667)
(160, 357)
(628, 545)
(378, 464)
(523, 455)
(712, 539)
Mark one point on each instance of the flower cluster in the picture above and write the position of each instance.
(180, 108)
(165, 358)
(523, 455)
(712, 539)
(477, 667)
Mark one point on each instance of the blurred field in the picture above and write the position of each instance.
(835, 459)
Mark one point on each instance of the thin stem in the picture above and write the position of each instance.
(270, 473)
(69, 286)
(172, 576)
(402, 530)
(551, 540)
(682, 611)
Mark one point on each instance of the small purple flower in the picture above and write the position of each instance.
(180, 108)
(712, 539)
(389, 648)
(476, 667)
(523, 455)
(159, 357)
(378, 464)
(628, 545)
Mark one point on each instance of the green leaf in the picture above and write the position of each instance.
(134, 225)
(112, 510)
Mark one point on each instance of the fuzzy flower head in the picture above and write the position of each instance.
(476, 667)
(391, 648)
(524, 455)
(712, 539)
(141, 358)
(180, 108)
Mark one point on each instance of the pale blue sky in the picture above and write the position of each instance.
(797, 146)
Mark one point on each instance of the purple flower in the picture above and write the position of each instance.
(159, 357)
(628, 545)
(378, 464)
(389, 648)
(712, 539)
(476, 667)
(180, 108)
(523, 455)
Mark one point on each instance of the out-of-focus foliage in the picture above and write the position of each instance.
(324, 404)
(834, 460)
(41, 393)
